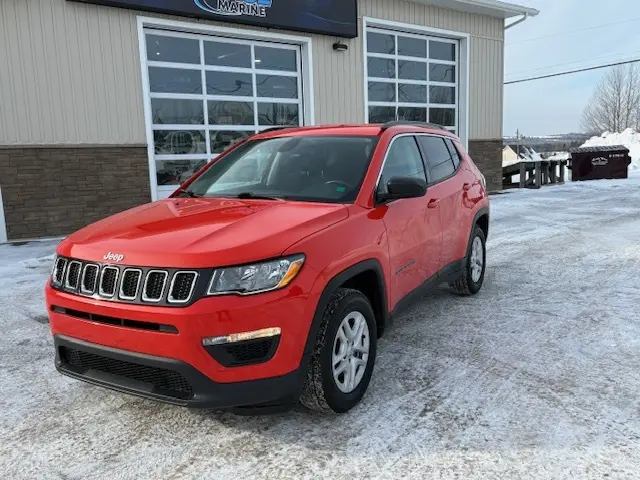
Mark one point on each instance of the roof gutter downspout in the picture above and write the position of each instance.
(526, 15)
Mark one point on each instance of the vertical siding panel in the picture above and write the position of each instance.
(7, 112)
(55, 64)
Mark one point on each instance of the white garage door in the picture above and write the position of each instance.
(412, 77)
(206, 93)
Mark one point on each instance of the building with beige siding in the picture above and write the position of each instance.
(108, 104)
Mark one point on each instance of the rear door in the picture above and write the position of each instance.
(446, 187)
(413, 229)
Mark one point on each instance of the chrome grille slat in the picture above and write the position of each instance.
(130, 284)
(59, 270)
(154, 285)
(72, 278)
(108, 281)
(182, 285)
(89, 278)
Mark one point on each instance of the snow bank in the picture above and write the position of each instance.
(560, 156)
(629, 138)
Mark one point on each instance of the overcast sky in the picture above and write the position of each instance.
(555, 105)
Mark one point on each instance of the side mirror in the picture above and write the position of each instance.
(403, 187)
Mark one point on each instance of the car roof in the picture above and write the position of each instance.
(372, 130)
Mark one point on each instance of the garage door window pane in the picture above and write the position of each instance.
(442, 73)
(278, 114)
(412, 47)
(176, 172)
(410, 93)
(444, 95)
(412, 70)
(381, 43)
(230, 113)
(176, 112)
(227, 83)
(382, 67)
(442, 51)
(382, 114)
(172, 49)
(382, 92)
(276, 59)
(412, 114)
(227, 54)
(221, 140)
(181, 142)
(273, 86)
(174, 80)
(443, 116)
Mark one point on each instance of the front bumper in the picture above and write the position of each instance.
(171, 381)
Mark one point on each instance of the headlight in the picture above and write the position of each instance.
(256, 278)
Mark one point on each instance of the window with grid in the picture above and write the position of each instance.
(412, 77)
(207, 93)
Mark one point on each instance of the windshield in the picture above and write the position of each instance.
(307, 168)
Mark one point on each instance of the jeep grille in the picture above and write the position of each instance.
(143, 285)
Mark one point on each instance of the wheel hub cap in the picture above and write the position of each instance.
(350, 352)
(477, 259)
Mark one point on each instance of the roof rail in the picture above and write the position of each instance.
(273, 129)
(399, 123)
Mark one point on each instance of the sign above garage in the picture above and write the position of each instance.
(327, 17)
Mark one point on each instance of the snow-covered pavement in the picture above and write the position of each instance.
(536, 377)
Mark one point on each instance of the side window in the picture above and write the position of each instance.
(438, 158)
(455, 156)
(403, 160)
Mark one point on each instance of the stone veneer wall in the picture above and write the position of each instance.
(487, 155)
(53, 191)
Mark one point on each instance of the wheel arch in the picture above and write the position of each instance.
(366, 276)
(481, 219)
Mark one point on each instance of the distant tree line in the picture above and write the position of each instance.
(615, 104)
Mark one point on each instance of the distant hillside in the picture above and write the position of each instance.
(550, 143)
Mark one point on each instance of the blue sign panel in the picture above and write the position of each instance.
(328, 17)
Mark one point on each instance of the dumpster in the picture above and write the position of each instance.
(594, 163)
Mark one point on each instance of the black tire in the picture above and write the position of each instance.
(464, 285)
(320, 392)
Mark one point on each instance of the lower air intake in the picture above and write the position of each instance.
(165, 382)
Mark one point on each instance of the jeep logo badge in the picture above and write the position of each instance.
(113, 257)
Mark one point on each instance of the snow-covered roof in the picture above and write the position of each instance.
(492, 8)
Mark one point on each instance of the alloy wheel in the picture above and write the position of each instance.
(350, 352)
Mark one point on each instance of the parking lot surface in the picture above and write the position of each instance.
(536, 377)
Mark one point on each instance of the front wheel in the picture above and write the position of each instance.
(470, 282)
(344, 354)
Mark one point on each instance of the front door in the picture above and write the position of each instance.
(413, 227)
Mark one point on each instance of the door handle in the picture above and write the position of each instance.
(433, 203)
(466, 187)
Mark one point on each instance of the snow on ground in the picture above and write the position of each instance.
(536, 377)
(629, 138)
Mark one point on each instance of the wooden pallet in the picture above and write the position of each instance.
(534, 174)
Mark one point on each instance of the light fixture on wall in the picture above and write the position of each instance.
(340, 47)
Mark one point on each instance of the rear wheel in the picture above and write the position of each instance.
(470, 282)
(344, 354)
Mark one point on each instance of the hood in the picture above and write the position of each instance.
(201, 233)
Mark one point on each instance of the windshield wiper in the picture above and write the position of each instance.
(190, 194)
(254, 196)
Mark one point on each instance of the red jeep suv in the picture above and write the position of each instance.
(268, 277)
